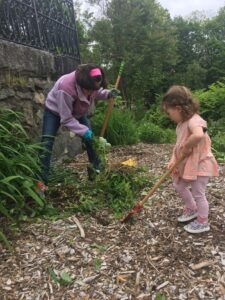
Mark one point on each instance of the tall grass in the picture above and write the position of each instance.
(18, 169)
(121, 129)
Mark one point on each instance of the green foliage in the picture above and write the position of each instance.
(119, 188)
(62, 175)
(139, 32)
(212, 101)
(218, 144)
(101, 248)
(121, 129)
(19, 165)
(160, 296)
(156, 116)
(63, 279)
(158, 51)
(151, 133)
(116, 190)
(102, 147)
(98, 264)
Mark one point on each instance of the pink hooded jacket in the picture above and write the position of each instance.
(67, 100)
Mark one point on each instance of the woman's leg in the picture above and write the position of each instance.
(51, 123)
(92, 156)
(182, 187)
(198, 191)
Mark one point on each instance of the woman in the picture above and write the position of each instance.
(68, 103)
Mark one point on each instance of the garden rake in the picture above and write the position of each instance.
(141, 203)
(111, 102)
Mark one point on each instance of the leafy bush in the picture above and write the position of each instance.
(218, 145)
(151, 133)
(219, 142)
(212, 104)
(121, 129)
(19, 165)
(156, 116)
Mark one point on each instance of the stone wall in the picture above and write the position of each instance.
(26, 76)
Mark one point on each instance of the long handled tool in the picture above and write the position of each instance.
(140, 203)
(111, 102)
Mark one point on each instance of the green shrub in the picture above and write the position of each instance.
(156, 116)
(121, 129)
(19, 165)
(218, 146)
(218, 142)
(151, 133)
(214, 127)
(212, 104)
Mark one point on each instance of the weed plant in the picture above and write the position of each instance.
(18, 169)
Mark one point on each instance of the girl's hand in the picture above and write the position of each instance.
(170, 164)
(175, 171)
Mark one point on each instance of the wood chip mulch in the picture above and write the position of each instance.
(154, 255)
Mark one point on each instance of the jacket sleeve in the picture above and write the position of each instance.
(102, 94)
(65, 108)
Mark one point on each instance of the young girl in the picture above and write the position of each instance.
(199, 163)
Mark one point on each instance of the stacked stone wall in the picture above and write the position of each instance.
(26, 76)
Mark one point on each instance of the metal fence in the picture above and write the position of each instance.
(44, 24)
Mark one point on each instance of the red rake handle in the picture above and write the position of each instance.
(140, 204)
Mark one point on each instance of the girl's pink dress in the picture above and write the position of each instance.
(201, 161)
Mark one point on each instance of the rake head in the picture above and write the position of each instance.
(134, 210)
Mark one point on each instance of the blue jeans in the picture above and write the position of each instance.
(51, 124)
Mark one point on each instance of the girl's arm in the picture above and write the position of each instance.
(197, 134)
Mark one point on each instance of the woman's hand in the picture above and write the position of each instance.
(114, 93)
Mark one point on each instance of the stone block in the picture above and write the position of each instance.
(39, 98)
(6, 93)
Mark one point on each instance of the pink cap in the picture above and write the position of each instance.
(95, 72)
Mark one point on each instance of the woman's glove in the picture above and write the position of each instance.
(113, 93)
(88, 135)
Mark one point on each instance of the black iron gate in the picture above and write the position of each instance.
(44, 24)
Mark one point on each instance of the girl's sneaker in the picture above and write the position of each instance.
(188, 215)
(197, 227)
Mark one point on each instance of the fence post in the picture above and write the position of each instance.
(37, 22)
(75, 29)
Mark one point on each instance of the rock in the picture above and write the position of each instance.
(6, 93)
(39, 98)
(65, 146)
(39, 84)
(28, 113)
(25, 60)
(25, 95)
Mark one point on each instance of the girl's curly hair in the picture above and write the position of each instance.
(84, 80)
(179, 95)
